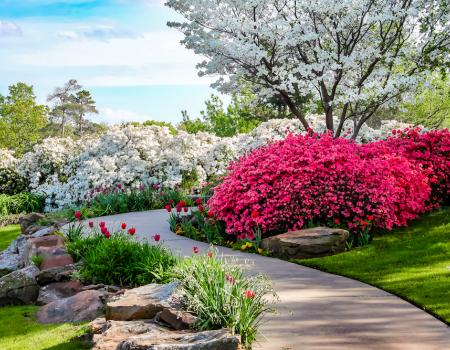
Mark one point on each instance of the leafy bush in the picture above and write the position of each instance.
(316, 180)
(11, 182)
(20, 203)
(118, 259)
(430, 150)
(219, 294)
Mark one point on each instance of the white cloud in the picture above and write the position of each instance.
(9, 29)
(100, 32)
(68, 34)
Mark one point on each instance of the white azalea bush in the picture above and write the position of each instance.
(66, 171)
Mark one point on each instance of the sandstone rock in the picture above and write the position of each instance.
(84, 306)
(103, 288)
(27, 223)
(140, 303)
(19, 287)
(55, 274)
(52, 250)
(308, 243)
(57, 260)
(177, 319)
(146, 335)
(13, 258)
(58, 290)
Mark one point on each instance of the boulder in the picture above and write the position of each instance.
(84, 306)
(27, 223)
(177, 319)
(146, 335)
(19, 287)
(44, 232)
(58, 290)
(55, 274)
(52, 250)
(13, 258)
(308, 243)
(141, 303)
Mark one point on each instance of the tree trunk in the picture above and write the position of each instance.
(295, 111)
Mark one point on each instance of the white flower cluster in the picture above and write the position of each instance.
(7, 159)
(65, 171)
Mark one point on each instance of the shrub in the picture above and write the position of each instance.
(11, 182)
(118, 259)
(219, 294)
(312, 179)
(20, 203)
(430, 150)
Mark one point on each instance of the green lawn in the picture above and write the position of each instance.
(7, 235)
(18, 328)
(413, 263)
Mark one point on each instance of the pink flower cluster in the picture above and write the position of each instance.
(317, 179)
(430, 151)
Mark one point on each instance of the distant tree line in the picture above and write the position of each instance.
(24, 122)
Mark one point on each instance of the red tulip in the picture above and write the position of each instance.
(178, 209)
(77, 215)
(195, 250)
(119, 186)
(198, 201)
(337, 221)
(107, 234)
(102, 224)
(103, 229)
(124, 226)
(370, 217)
(157, 237)
(170, 201)
(209, 254)
(229, 279)
(168, 208)
(210, 214)
(255, 214)
(185, 209)
(155, 186)
(249, 294)
(91, 224)
(201, 208)
(131, 231)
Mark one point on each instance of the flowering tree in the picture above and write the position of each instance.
(352, 55)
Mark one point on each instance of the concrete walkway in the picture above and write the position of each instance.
(317, 310)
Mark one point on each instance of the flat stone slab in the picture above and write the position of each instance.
(177, 319)
(84, 306)
(141, 303)
(13, 258)
(19, 287)
(308, 243)
(146, 335)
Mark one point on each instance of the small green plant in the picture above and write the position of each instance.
(219, 293)
(37, 260)
(20, 203)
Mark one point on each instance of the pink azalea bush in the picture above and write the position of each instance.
(430, 151)
(320, 180)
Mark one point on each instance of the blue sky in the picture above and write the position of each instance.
(121, 50)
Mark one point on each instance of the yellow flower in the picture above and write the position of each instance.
(249, 244)
(260, 251)
(244, 246)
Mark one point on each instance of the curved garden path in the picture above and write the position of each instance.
(317, 310)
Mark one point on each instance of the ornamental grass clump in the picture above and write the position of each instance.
(219, 293)
(311, 180)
